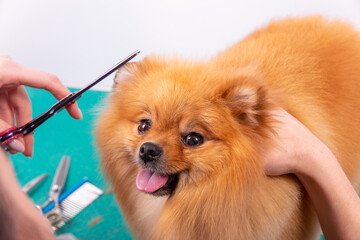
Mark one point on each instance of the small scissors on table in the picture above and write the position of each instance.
(14, 132)
(33, 183)
(55, 215)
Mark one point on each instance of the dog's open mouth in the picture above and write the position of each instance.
(156, 183)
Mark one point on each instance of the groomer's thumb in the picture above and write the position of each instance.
(13, 146)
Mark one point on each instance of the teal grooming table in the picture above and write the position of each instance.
(62, 135)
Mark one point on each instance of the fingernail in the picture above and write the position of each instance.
(81, 115)
(31, 154)
(16, 145)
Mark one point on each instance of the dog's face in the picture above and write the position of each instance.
(179, 123)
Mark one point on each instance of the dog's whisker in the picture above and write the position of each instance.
(123, 153)
(187, 163)
(196, 168)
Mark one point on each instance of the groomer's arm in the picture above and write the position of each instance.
(336, 202)
(301, 153)
(19, 219)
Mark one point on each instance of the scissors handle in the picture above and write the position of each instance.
(10, 134)
(15, 132)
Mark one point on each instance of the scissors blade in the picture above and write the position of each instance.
(29, 127)
(30, 185)
(108, 72)
(59, 178)
(72, 97)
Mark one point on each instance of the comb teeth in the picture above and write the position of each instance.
(74, 201)
(78, 200)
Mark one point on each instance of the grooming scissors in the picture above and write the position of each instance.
(33, 183)
(15, 132)
(55, 215)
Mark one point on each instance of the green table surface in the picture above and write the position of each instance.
(62, 135)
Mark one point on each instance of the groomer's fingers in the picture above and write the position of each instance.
(7, 121)
(13, 74)
(51, 83)
(6, 112)
(21, 105)
(275, 163)
(15, 145)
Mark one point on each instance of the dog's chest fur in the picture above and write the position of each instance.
(148, 211)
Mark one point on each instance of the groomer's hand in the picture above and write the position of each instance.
(15, 105)
(299, 151)
(296, 147)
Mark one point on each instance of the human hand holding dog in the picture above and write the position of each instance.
(296, 147)
(300, 152)
(15, 104)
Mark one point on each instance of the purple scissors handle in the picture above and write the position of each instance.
(15, 132)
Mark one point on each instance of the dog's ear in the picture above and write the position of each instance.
(247, 103)
(125, 72)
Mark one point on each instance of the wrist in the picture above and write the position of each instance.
(314, 160)
(317, 166)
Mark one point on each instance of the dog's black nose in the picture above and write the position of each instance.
(150, 152)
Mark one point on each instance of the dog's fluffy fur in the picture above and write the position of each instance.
(309, 66)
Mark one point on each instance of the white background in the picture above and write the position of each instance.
(79, 39)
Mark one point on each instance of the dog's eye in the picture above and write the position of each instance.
(144, 125)
(193, 139)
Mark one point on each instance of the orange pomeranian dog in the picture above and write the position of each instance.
(182, 141)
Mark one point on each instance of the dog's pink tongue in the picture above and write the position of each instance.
(149, 181)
